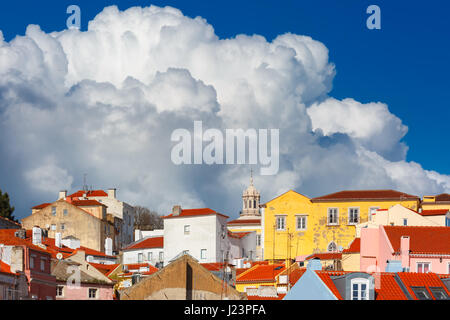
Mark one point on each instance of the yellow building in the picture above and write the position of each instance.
(440, 201)
(295, 225)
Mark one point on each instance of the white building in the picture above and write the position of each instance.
(203, 234)
(140, 234)
(117, 208)
(146, 250)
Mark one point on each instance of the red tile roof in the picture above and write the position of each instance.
(86, 203)
(6, 268)
(8, 238)
(437, 212)
(430, 240)
(427, 280)
(237, 235)
(134, 268)
(387, 288)
(195, 212)
(213, 266)
(91, 193)
(245, 221)
(41, 206)
(240, 270)
(106, 269)
(355, 246)
(147, 243)
(443, 197)
(325, 256)
(261, 273)
(366, 195)
(325, 276)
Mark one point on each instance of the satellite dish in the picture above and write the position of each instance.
(59, 256)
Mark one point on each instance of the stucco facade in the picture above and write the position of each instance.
(88, 224)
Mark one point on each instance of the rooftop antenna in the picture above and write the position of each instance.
(85, 187)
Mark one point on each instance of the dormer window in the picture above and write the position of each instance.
(360, 289)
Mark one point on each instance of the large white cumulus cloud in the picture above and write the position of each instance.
(105, 102)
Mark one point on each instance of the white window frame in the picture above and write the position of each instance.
(140, 257)
(277, 225)
(303, 217)
(89, 293)
(359, 215)
(203, 254)
(54, 211)
(359, 282)
(161, 256)
(336, 216)
(370, 212)
(53, 227)
(187, 229)
(62, 291)
(423, 262)
(149, 256)
(258, 240)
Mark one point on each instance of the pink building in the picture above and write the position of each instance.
(414, 249)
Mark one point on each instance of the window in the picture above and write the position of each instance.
(92, 293)
(31, 262)
(372, 212)
(360, 289)
(333, 216)
(301, 222)
(63, 226)
(258, 240)
(332, 247)
(421, 293)
(254, 204)
(203, 254)
(150, 256)
(423, 267)
(53, 227)
(60, 291)
(42, 265)
(187, 229)
(53, 211)
(161, 256)
(281, 223)
(65, 212)
(353, 215)
(140, 257)
(439, 293)
(405, 222)
(447, 222)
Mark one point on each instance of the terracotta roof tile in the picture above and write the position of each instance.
(355, 246)
(195, 212)
(237, 235)
(436, 212)
(366, 195)
(387, 288)
(245, 221)
(261, 273)
(431, 240)
(41, 206)
(147, 243)
(91, 193)
(427, 280)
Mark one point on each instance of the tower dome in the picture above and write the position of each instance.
(250, 200)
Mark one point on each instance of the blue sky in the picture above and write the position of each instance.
(405, 64)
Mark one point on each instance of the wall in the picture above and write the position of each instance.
(81, 292)
(184, 279)
(131, 256)
(318, 233)
(203, 235)
(78, 223)
(351, 262)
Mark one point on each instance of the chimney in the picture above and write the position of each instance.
(17, 259)
(58, 239)
(62, 195)
(108, 246)
(404, 251)
(112, 193)
(37, 235)
(21, 233)
(420, 210)
(176, 210)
